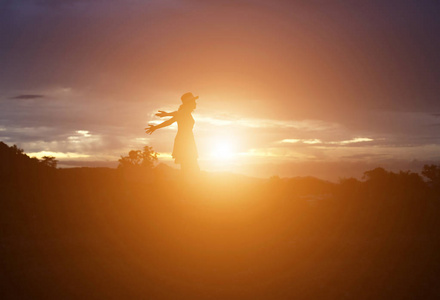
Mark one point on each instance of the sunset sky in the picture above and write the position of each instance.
(289, 88)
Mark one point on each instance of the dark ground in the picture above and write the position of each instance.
(101, 234)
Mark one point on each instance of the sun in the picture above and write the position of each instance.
(223, 149)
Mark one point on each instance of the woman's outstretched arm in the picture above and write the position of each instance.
(162, 114)
(153, 128)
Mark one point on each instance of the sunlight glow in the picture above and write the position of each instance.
(57, 154)
(304, 125)
(223, 149)
(164, 155)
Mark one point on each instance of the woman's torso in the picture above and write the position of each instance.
(185, 122)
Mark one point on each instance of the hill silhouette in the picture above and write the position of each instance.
(101, 233)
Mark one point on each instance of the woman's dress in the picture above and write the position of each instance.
(185, 149)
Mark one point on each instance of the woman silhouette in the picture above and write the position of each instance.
(185, 150)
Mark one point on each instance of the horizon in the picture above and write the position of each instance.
(317, 171)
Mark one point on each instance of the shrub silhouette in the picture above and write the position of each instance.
(139, 159)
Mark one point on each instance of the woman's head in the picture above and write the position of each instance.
(188, 106)
(188, 101)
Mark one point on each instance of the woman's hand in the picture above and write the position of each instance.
(162, 114)
(150, 129)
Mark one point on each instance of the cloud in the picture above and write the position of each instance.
(318, 141)
(352, 141)
(258, 123)
(313, 141)
(27, 96)
(291, 141)
(58, 155)
(363, 156)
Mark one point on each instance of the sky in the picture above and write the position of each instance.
(290, 88)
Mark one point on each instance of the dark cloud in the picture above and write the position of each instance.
(355, 56)
(363, 156)
(29, 96)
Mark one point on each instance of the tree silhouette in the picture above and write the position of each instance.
(49, 161)
(139, 159)
(17, 150)
(432, 172)
(376, 175)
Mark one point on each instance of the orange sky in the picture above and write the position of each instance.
(284, 86)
